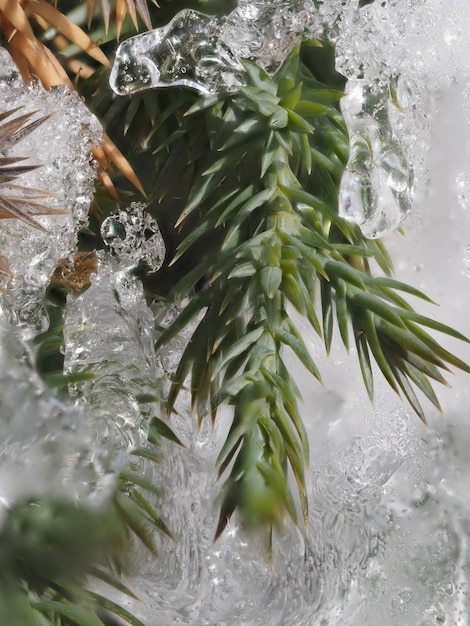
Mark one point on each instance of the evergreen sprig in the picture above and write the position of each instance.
(267, 192)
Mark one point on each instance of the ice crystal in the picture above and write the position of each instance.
(62, 147)
(109, 329)
(135, 237)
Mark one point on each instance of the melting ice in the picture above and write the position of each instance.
(395, 54)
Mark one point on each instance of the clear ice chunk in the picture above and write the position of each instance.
(376, 187)
(204, 52)
(187, 52)
(135, 237)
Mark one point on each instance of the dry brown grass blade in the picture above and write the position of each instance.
(143, 11)
(28, 192)
(13, 132)
(8, 129)
(121, 12)
(9, 210)
(107, 183)
(90, 9)
(114, 155)
(29, 209)
(33, 59)
(16, 201)
(7, 174)
(9, 113)
(106, 13)
(74, 66)
(67, 28)
(122, 9)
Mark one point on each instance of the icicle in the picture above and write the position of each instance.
(376, 187)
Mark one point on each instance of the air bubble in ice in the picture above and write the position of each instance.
(402, 599)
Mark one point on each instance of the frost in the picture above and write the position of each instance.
(62, 147)
(48, 447)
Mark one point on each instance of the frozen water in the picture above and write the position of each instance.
(406, 50)
(48, 447)
(388, 535)
(389, 525)
(396, 54)
(204, 52)
(188, 51)
(376, 186)
(109, 329)
(135, 237)
(62, 147)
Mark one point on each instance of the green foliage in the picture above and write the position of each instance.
(266, 190)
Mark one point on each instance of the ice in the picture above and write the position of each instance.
(62, 147)
(188, 51)
(387, 541)
(204, 52)
(388, 535)
(401, 52)
(407, 50)
(134, 236)
(462, 188)
(376, 186)
(109, 330)
(48, 447)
